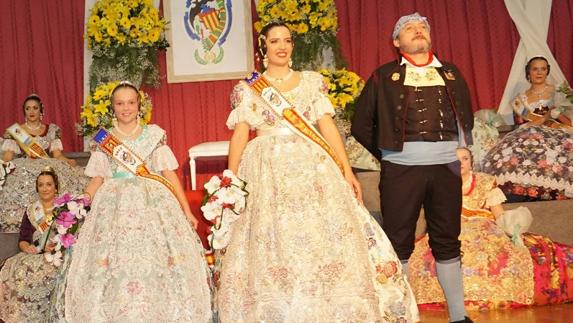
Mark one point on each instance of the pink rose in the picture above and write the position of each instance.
(66, 219)
(67, 240)
(63, 199)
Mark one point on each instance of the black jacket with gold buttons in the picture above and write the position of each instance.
(378, 121)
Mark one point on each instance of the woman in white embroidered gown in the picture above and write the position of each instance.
(305, 249)
(27, 279)
(535, 161)
(19, 189)
(137, 258)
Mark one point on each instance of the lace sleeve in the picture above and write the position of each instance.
(244, 107)
(162, 158)
(321, 104)
(10, 144)
(56, 144)
(98, 165)
(494, 197)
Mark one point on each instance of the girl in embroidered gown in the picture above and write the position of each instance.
(27, 279)
(497, 272)
(535, 161)
(305, 249)
(19, 190)
(137, 258)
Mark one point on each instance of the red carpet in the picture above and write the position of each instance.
(195, 198)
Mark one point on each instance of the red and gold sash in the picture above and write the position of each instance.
(283, 108)
(479, 213)
(27, 142)
(127, 158)
(40, 221)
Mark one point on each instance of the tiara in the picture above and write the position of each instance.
(123, 84)
(48, 169)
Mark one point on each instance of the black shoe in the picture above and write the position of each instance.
(465, 320)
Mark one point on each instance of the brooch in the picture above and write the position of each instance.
(450, 75)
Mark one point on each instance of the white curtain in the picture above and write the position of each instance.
(531, 17)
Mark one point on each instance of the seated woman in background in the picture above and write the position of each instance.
(497, 272)
(27, 279)
(534, 162)
(28, 145)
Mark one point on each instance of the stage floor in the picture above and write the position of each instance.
(535, 314)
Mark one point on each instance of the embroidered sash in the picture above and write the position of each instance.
(477, 213)
(127, 158)
(40, 221)
(26, 142)
(283, 108)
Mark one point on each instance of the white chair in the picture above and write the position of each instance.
(206, 149)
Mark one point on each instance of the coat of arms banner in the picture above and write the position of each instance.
(210, 40)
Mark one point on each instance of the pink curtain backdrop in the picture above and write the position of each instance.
(41, 50)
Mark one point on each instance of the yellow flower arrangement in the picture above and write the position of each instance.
(313, 24)
(133, 23)
(344, 86)
(300, 16)
(97, 111)
(124, 36)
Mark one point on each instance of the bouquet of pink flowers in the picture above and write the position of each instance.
(225, 200)
(5, 169)
(69, 212)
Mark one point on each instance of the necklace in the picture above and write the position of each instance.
(471, 182)
(127, 135)
(34, 128)
(539, 94)
(279, 79)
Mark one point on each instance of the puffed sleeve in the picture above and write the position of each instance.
(163, 157)
(244, 107)
(10, 144)
(494, 197)
(321, 104)
(98, 165)
(56, 138)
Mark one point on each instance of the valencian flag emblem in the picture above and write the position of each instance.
(208, 22)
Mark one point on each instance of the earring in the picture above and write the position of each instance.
(139, 118)
(113, 120)
(290, 62)
(41, 116)
(266, 61)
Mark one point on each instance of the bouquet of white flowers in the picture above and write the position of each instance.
(225, 200)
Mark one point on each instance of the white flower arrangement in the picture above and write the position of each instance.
(225, 200)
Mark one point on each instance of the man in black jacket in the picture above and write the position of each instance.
(413, 114)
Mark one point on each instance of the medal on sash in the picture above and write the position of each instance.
(26, 142)
(295, 121)
(127, 158)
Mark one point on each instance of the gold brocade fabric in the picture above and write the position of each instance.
(495, 271)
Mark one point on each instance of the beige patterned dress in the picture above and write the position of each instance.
(495, 271)
(137, 259)
(304, 250)
(27, 280)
